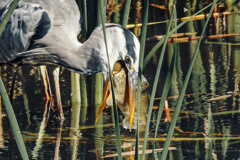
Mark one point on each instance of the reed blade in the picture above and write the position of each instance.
(168, 81)
(126, 13)
(117, 128)
(142, 49)
(155, 87)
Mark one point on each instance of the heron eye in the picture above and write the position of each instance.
(127, 59)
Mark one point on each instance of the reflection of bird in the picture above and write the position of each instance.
(45, 32)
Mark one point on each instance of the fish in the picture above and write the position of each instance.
(124, 96)
(120, 89)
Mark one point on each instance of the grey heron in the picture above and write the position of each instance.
(43, 32)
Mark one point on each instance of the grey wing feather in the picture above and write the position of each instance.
(28, 23)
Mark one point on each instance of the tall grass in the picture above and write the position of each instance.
(168, 80)
(156, 79)
(181, 96)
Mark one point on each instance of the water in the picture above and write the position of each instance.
(209, 117)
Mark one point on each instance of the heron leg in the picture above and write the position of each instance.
(57, 89)
(46, 83)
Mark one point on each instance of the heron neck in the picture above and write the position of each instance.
(84, 60)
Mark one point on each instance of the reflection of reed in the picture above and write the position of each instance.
(24, 94)
(75, 114)
(198, 77)
(98, 99)
(1, 127)
(99, 149)
(140, 152)
(226, 124)
(223, 65)
(209, 129)
(41, 132)
(84, 100)
(59, 135)
(236, 71)
(209, 125)
(74, 146)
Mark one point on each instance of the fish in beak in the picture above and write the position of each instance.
(129, 98)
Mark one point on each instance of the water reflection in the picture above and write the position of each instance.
(1, 128)
(41, 132)
(209, 117)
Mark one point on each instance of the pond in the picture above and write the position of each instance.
(207, 127)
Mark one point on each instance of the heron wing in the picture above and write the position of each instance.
(28, 23)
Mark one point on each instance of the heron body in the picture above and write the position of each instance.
(45, 32)
(34, 27)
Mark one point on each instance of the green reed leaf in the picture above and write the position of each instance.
(168, 80)
(154, 89)
(142, 49)
(126, 13)
(117, 128)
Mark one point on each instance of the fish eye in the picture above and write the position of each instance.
(127, 59)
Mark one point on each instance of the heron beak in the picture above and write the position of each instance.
(116, 69)
(132, 89)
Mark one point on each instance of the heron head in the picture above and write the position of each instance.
(123, 49)
(131, 83)
(130, 66)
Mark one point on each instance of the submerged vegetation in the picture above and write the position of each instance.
(187, 108)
